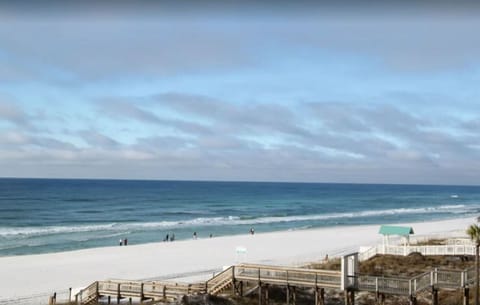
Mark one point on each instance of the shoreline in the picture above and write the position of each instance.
(27, 275)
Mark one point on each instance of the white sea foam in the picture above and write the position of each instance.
(28, 231)
(114, 228)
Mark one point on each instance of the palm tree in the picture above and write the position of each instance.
(474, 232)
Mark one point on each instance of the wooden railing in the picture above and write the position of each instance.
(288, 276)
(251, 273)
(283, 276)
(220, 281)
(88, 294)
(388, 285)
(424, 250)
(438, 278)
(137, 289)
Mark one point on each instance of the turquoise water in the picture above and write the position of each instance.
(50, 215)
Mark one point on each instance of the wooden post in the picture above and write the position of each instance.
(288, 295)
(322, 295)
(259, 288)
(413, 300)
(266, 294)
(241, 288)
(434, 296)
(164, 292)
(142, 295)
(294, 301)
(466, 296)
(118, 293)
(108, 300)
(129, 301)
(259, 293)
(380, 298)
(352, 297)
(345, 295)
(316, 295)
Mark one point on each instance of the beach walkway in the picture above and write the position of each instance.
(245, 279)
(241, 279)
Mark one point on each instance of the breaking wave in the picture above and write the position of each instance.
(114, 228)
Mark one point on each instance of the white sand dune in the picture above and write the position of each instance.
(45, 273)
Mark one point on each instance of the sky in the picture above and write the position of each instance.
(238, 91)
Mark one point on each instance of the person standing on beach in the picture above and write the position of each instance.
(252, 231)
(120, 242)
(125, 241)
(195, 235)
(166, 238)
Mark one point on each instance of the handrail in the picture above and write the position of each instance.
(88, 292)
(424, 250)
(283, 268)
(213, 283)
(442, 278)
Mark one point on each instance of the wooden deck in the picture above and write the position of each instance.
(240, 277)
(258, 274)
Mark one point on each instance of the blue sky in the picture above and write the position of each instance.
(241, 92)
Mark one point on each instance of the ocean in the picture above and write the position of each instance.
(52, 215)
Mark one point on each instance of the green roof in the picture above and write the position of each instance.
(395, 230)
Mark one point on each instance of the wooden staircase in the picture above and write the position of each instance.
(151, 290)
(89, 295)
(221, 281)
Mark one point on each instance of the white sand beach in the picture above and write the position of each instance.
(192, 259)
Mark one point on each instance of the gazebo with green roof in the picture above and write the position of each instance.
(387, 231)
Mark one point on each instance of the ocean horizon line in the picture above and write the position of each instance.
(232, 181)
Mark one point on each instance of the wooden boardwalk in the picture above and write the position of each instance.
(246, 278)
(235, 277)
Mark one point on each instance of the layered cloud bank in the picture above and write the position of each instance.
(311, 92)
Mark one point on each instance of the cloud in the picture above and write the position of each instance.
(177, 135)
(471, 125)
(13, 114)
(87, 48)
(121, 108)
(197, 127)
(81, 50)
(96, 139)
(161, 143)
(406, 43)
(238, 119)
